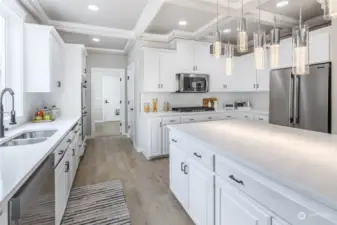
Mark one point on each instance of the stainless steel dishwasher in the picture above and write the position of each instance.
(34, 203)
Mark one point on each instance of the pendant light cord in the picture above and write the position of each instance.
(228, 12)
(259, 17)
(300, 16)
(217, 15)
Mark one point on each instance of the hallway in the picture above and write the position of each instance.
(146, 183)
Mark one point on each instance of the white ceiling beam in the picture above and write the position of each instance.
(201, 5)
(105, 51)
(34, 7)
(149, 12)
(92, 30)
(267, 18)
(129, 45)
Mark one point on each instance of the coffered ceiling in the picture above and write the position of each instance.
(117, 23)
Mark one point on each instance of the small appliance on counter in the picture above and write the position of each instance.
(229, 106)
(192, 109)
(243, 105)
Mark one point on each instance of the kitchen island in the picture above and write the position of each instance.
(273, 174)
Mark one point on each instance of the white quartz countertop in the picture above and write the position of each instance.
(171, 113)
(19, 162)
(303, 160)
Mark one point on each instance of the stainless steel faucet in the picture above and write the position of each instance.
(2, 127)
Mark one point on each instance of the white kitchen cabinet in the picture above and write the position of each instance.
(165, 133)
(232, 207)
(193, 57)
(43, 59)
(151, 81)
(227, 116)
(4, 215)
(61, 189)
(245, 116)
(244, 74)
(219, 80)
(155, 140)
(200, 193)
(319, 48)
(263, 76)
(286, 53)
(178, 175)
(159, 71)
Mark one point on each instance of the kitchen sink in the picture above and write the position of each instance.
(29, 138)
(36, 134)
(16, 142)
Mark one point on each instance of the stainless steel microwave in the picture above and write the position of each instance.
(192, 83)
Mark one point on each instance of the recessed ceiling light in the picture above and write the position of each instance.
(96, 39)
(93, 7)
(182, 22)
(282, 3)
(227, 30)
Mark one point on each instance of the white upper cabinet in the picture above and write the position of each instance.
(244, 73)
(262, 76)
(151, 70)
(193, 57)
(159, 72)
(319, 50)
(44, 66)
(285, 56)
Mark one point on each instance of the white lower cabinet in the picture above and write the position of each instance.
(155, 139)
(4, 216)
(61, 190)
(178, 175)
(200, 193)
(232, 207)
(165, 140)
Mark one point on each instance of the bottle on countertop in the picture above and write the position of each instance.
(209, 104)
(215, 105)
(47, 113)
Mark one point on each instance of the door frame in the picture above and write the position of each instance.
(132, 68)
(123, 97)
(103, 102)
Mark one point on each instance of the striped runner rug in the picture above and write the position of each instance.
(102, 204)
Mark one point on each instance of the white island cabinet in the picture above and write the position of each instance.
(219, 172)
(4, 216)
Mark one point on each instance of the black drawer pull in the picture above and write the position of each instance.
(236, 180)
(196, 154)
(173, 140)
(182, 167)
(210, 118)
(172, 121)
(185, 171)
(191, 119)
(67, 167)
(260, 119)
(61, 152)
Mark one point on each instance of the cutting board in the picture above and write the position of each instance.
(205, 101)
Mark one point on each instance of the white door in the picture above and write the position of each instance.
(233, 208)
(201, 194)
(179, 178)
(155, 137)
(130, 101)
(111, 98)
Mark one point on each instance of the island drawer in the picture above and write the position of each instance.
(194, 149)
(281, 200)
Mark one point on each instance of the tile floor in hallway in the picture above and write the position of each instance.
(146, 183)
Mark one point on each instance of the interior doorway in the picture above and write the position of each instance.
(107, 101)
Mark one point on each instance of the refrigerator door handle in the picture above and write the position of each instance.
(291, 100)
(297, 101)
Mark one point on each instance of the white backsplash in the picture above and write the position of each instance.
(259, 101)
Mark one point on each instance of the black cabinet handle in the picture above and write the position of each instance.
(260, 119)
(173, 140)
(171, 121)
(67, 166)
(210, 118)
(197, 155)
(69, 140)
(191, 119)
(236, 180)
(182, 167)
(185, 170)
(61, 152)
(73, 152)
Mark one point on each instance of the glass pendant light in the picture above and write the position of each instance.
(217, 49)
(259, 45)
(300, 48)
(229, 52)
(242, 36)
(274, 46)
(329, 7)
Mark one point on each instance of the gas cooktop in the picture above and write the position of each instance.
(192, 109)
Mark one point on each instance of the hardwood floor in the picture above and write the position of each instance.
(146, 183)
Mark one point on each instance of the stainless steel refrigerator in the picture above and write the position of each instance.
(301, 101)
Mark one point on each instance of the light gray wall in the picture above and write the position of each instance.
(99, 60)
